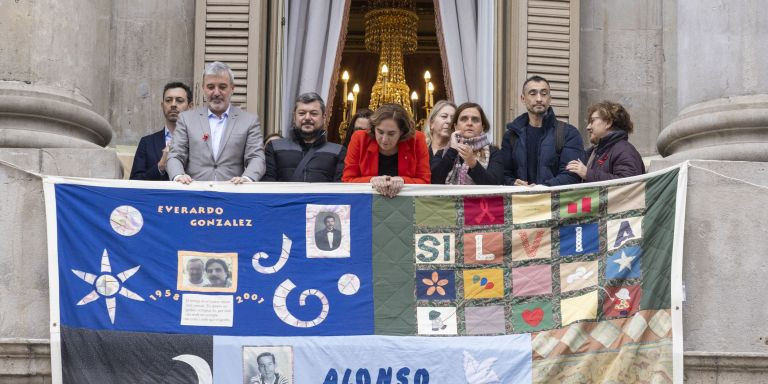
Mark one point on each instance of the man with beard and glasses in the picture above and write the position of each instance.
(305, 155)
(152, 152)
(217, 141)
(217, 273)
(537, 147)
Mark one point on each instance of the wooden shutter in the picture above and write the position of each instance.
(550, 45)
(234, 32)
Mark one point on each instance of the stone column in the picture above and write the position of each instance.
(54, 103)
(54, 74)
(722, 82)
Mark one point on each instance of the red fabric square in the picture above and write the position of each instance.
(483, 210)
(622, 301)
(492, 251)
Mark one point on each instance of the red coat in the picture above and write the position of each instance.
(362, 161)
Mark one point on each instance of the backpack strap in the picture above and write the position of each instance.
(559, 136)
(512, 140)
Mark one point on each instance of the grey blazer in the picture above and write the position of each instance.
(241, 152)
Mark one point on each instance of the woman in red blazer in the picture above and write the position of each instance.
(391, 155)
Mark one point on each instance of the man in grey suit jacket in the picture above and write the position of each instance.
(217, 141)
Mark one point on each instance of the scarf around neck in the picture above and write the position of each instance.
(459, 174)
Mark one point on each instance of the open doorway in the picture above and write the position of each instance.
(362, 65)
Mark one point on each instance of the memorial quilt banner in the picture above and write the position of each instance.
(155, 282)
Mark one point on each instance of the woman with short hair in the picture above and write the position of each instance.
(611, 156)
(470, 158)
(439, 126)
(361, 121)
(391, 155)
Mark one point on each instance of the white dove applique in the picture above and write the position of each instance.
(479, 373)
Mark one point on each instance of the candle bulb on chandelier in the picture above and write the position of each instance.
(351, 103)
(414, 103)
(430, 98)
(427, 77)
(355, 91)
(384, 74)
(345, 79)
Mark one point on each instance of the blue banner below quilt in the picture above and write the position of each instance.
(294, 283)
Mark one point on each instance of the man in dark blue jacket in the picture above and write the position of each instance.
(536, 146)
(305, 155)
(152, 152)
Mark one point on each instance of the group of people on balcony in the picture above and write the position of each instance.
(219, 141)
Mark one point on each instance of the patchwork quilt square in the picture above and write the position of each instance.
(533, 243)
(435, 212)
(583, 307)
(435, 285)
(488, 320)
(626, 197)
(436, 320)
(531, 208)
(484, 248)
(579, 203)
(578, 275)
(435, 248)
(580, 239)
(622, 301)
(533, 280)
(486, 210)
(532, 316)
(484, 283)
(623, 264)
(622, 230)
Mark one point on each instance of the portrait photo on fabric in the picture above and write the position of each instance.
(268, 364)
(206, 271)
(328, 231)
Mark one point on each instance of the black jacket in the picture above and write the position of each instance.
(284, 155)
(443, 161)
(147, 156)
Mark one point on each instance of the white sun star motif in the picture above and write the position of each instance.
(624, 261)
(108, 285)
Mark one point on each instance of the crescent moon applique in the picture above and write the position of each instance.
(201, 367)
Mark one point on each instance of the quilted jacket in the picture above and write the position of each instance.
(362, 161)
(615, 157)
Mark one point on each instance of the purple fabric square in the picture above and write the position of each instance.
(484, 320)
(532, 281)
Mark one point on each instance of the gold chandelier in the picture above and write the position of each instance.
(390, 31)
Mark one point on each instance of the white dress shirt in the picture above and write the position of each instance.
(217, 125)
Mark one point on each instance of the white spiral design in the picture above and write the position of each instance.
(281, 309)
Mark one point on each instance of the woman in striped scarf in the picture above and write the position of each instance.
(470, 159)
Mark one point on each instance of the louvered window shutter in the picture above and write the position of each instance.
(223, 33)
(551, 50)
